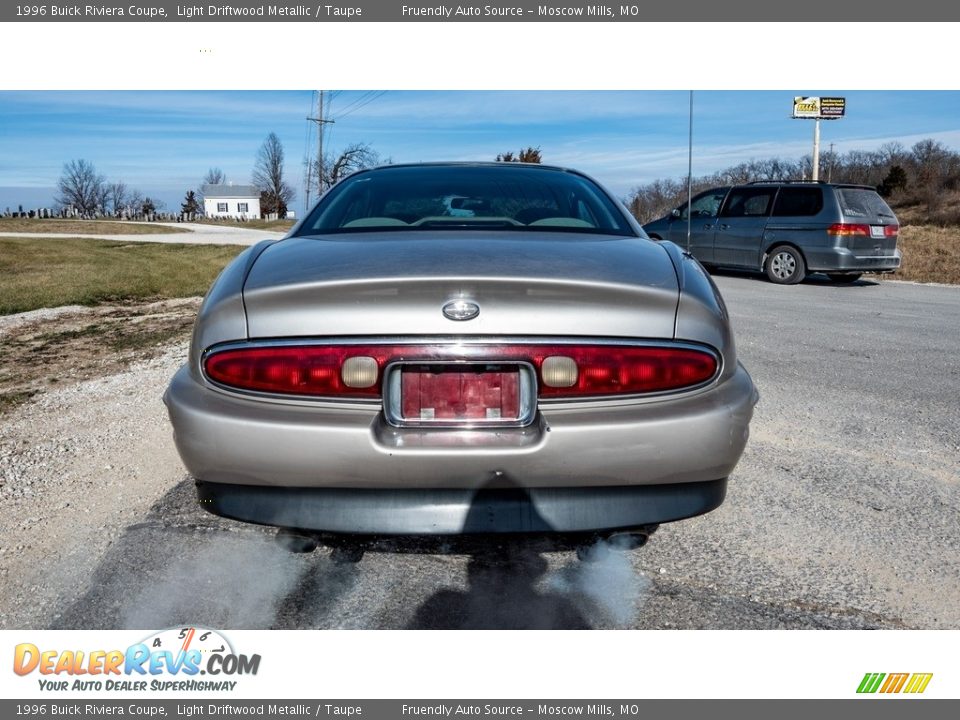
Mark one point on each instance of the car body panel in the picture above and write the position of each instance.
(390, 284)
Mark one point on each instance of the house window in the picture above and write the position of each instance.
(243, 207)
(221, 207)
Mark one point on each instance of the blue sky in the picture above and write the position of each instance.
(162, 142)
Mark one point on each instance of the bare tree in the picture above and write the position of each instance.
(268, 176)
(117, 195)
(214, 176)
(337, 166)
(81, 187)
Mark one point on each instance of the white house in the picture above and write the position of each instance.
(233, 201)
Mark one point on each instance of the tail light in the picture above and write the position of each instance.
(845, 229)
(563, 370)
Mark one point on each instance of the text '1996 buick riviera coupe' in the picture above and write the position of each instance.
(458, 349)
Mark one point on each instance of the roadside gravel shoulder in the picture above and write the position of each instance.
(77, 465)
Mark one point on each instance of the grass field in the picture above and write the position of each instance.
(274, 225)
(85, 227)
(930, 254)
(45, 272)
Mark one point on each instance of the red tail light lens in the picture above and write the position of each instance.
(848, 229)
(601, 370)
(845, 229)
(618, 370)
(302, 370)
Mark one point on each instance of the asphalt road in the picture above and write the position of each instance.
(843, 512)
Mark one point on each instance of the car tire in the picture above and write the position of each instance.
(785, 265)
(844, 277)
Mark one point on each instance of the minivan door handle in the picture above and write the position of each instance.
(724, 227)
(707, 226)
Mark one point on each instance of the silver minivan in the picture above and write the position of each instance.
(788, 230)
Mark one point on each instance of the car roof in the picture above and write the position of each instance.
(473, 163)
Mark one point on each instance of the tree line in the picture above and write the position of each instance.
(925, 176)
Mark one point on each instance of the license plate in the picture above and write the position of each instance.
(877, 231)
(460, 394)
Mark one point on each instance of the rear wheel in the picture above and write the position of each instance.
(844, 277)
(785, 265)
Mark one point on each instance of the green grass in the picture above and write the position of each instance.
(274, 225)
(46, 272)
(85, 227)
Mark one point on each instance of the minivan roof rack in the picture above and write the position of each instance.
(788, 182)
(811, 182)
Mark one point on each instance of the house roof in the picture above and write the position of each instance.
(230, 191)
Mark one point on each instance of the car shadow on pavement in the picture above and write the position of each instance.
(503, 573)
(501, 594)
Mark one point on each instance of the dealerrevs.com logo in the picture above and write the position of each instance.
(168, 660)
(910, 683)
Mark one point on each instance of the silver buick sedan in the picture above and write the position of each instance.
(451, 349)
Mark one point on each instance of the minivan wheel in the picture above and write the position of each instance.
(844, 277)
(785, 265)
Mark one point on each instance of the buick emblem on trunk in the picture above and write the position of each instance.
(460, 310)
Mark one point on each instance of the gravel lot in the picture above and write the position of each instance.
(843, 513)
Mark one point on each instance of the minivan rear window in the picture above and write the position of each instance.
(862, 202)
(798, 202)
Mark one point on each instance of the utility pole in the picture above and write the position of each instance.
(690, 172)
(830, 169)
(320, 120)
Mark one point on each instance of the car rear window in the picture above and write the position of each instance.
(862, 202)
(798, 202)
(467, 197)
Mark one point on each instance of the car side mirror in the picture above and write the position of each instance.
(675, 213)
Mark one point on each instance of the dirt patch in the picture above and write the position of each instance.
(39, 351)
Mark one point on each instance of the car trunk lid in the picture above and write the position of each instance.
(396, 284)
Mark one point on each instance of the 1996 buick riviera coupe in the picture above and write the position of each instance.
(450, 349)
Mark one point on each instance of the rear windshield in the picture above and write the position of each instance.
(466, 197)
(862, 202)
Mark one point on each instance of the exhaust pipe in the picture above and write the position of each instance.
(618, 540)
(296, 541)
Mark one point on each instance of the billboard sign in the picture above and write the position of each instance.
(819, 108)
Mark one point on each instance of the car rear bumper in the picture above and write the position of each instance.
(429, 512)
(235, 440)
(846, 260)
